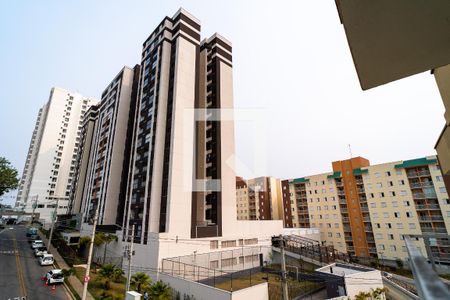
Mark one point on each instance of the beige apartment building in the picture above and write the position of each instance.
(259, 199)
(367, 210)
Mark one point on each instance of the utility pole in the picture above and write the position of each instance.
(91, 248)
(284, 284)
(130, 255)
(55, 217)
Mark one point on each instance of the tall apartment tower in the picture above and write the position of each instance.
(366, 210)
(50, 165)
(174, 146)
(104, 159)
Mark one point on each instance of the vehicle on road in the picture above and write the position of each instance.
(46, 260)
(54, 276)
(31, 231)
(37, 244)
(39, 251)
(387, 275)
(33, 238)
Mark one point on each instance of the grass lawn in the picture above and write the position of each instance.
(295, 288)
(97, 289)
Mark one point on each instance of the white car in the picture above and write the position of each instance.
(46, 260)
(39, 251)
(54, 276)
(37, 244)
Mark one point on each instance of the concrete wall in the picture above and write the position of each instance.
(205, 292)
(362, 282)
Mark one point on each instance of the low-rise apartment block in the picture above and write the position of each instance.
(367, 210)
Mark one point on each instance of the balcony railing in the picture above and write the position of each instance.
(339, 183)
(341, 193)
(417, 174)
(350, 249)
(344, 210)
(427, 206)
(347, 229)
(364, 209)
(348, 238)
(342, 201)
(434, 230)
(368, 228)
(361, 191)
(431, 218)
(372, 250)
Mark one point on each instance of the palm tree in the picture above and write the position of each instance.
(107, 273)
(160, 291)
(141, 281)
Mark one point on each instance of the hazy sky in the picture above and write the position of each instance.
(290, 59)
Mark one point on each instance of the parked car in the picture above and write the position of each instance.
(39, 251)
(37, 244)
(46, 260)
(32, 238)
(31, 231)
(387, 275)
(54, 276)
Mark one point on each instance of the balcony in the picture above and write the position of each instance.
(342, 201)
(350, 249)
(347, 229)
(430, 218)
(344, 210)
(372, 250)
(370, 239)
(364, 209)
(434, 230)
(339, 184)
(359, 181)
(348, 238)
(362, 199)
(366, 219)
(341, 193)
(345, 220)
(368, 229)
(412, 174)
(361, 191)
(427, 207)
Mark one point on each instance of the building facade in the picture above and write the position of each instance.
(259, 199)
(366, 210)
(103, 162)
(50, 166)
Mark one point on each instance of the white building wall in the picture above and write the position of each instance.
(61, 130)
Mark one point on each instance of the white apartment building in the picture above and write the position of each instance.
(50, 164)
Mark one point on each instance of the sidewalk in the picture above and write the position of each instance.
(73, 280)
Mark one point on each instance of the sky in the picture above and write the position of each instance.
(291, 63)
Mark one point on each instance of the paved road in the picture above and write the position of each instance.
(20, 273)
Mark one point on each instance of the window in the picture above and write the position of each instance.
(403, 193)
(379, 185)
(406, 203)
(401, 182)
(396, 214)
(390, 236)
(227, 244)
(378, 225)
(393, 248)
(387, 174)
(382, 195)
(214, 264)
(398, 172)
(446, 201)
(381, 246)
(399, 225)
(336, 225)
(390, 183)
(383, 204)
(385, 215)
(394, 204)
(372, 195)
(377, 174)
(438, 178)
(409, 214)
(448, 213)
(392, 194)
(373, 205)
(379, 236)
(330, 234)
(375, 215)
(388, 225)
(442, 190)
(338, 235)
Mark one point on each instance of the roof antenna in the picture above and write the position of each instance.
(350, 150)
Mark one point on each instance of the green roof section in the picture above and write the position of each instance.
(337, 174)
(299, 180)
(416, 162)
(359, 171)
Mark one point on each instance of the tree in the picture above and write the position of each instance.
(140, 281)
(399, 263)
(109, 273)
(107, 239)
(160, 291)
(8, 176)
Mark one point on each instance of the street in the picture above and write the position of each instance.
(20, 273)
